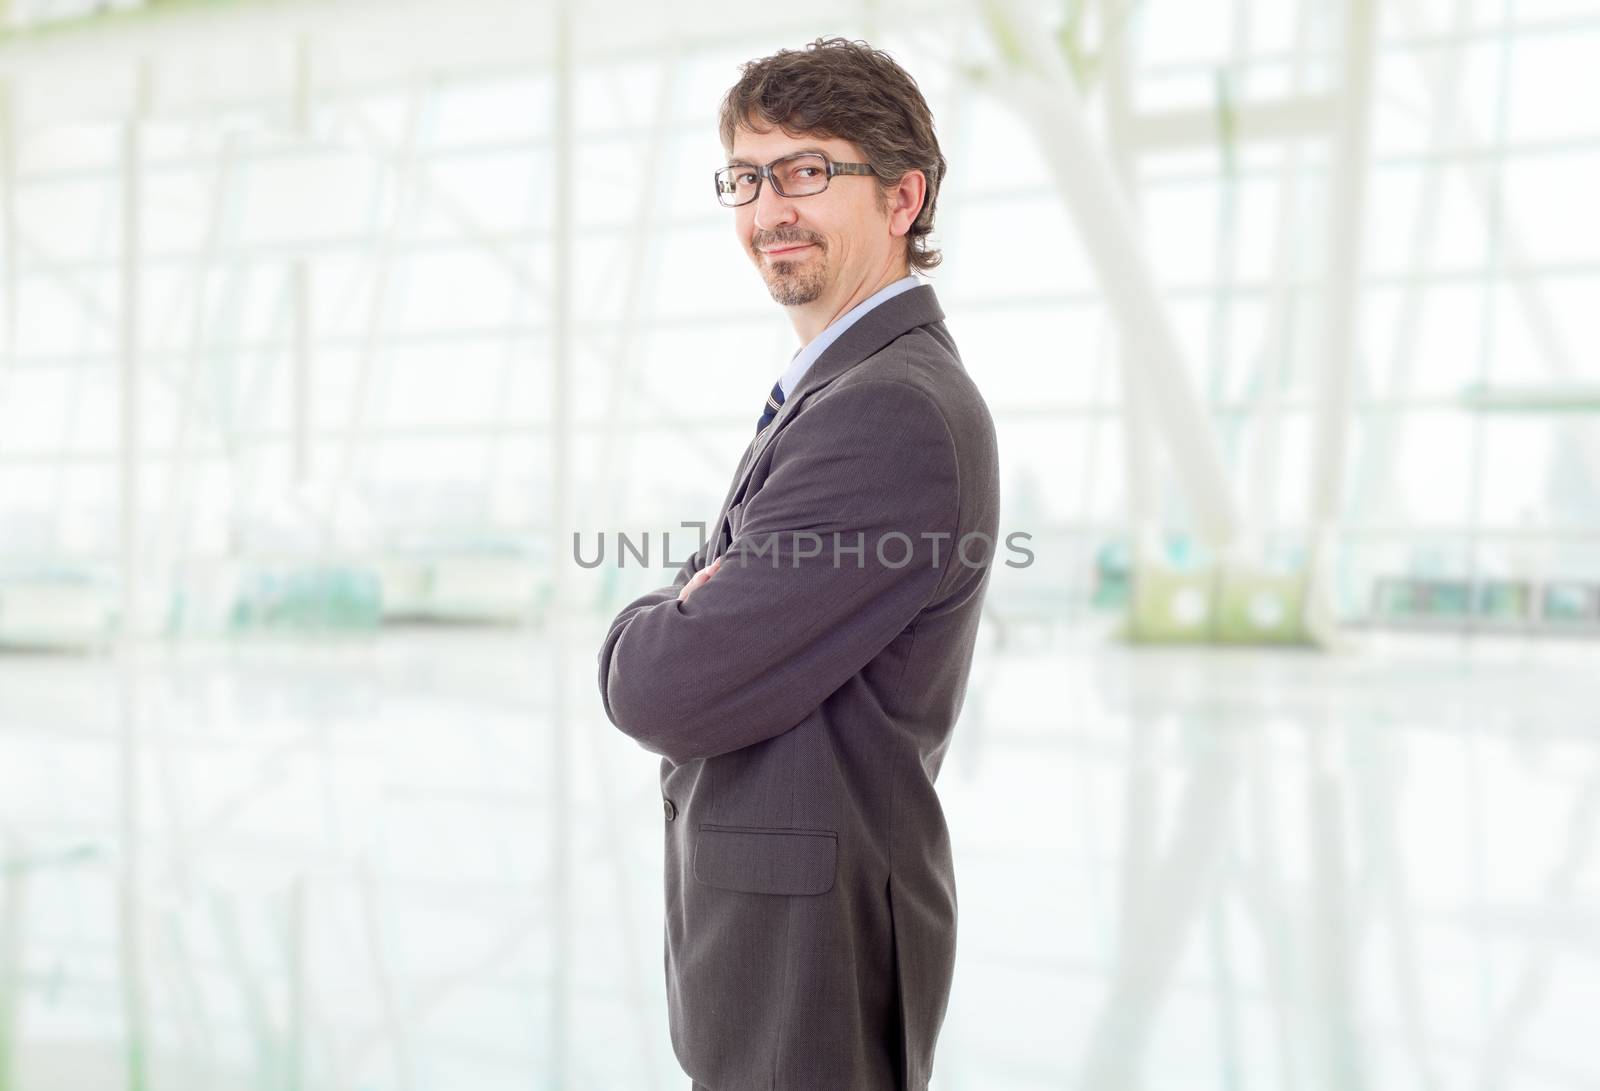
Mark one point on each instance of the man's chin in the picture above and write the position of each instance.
(790, 290)
(794, 295)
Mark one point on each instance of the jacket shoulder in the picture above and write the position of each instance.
(925, 359)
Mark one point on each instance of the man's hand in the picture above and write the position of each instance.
(698, 578)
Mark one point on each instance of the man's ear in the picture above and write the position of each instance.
(905, 201)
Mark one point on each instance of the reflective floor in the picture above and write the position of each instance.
(417, 863)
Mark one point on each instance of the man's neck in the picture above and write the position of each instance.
(810, 321)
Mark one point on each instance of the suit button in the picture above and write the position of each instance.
(668, 808)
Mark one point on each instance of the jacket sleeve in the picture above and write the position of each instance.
(695, 563)
(796, 608)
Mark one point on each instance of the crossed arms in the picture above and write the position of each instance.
(788, 618)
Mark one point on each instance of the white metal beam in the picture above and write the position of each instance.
(1037, 83)
(1267, 402)
(1138, 436)
(130, 908)
(129, 303)
(559, 793)
(8, 234)
(300, 408)
(1341, 305)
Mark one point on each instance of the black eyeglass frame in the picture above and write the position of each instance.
(764, 174)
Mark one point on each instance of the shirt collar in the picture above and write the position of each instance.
(808, 352)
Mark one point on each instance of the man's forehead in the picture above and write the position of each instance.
(750, 146)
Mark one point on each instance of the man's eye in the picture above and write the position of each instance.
(808, 170)
(748, 178)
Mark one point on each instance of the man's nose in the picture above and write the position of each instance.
(773, 209)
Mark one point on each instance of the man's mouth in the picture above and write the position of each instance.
(779, 252)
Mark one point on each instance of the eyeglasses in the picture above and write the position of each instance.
(803, 174)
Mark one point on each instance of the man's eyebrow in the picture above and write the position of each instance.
(737, 162)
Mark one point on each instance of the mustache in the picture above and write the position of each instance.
(768, 241)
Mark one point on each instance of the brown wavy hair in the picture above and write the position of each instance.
(847, 90)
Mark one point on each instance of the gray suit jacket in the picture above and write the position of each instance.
(802, 709)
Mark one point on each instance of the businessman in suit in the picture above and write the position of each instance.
(802, 675)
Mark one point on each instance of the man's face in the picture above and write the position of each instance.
(807, 248)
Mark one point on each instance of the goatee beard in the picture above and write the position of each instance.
(792, 284)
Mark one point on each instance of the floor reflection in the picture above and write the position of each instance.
(384, 865)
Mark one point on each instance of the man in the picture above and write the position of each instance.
(802, 675)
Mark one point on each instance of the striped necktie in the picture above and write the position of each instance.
(770, 410)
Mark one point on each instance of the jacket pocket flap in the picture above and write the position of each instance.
(758, 860)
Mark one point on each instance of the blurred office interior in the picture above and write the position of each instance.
(325, 327)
